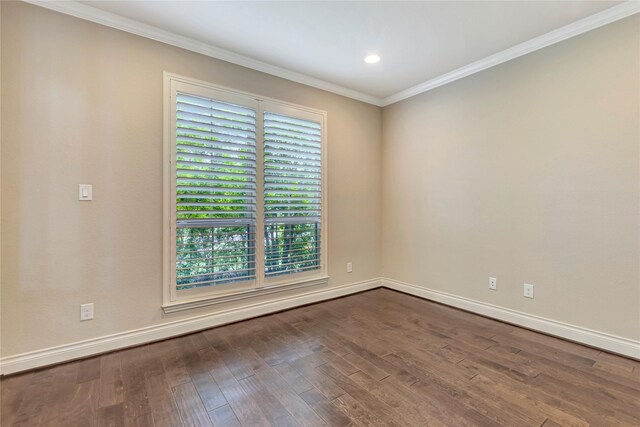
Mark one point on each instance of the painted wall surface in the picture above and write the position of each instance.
(82, 103)
(528, 172)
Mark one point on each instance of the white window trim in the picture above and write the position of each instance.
(177, 300)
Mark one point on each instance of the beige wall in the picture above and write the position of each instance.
(82, 103)
(528, 172)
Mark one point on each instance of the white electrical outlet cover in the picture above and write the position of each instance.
(528, 290)
(86, 311)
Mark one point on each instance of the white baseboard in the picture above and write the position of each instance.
(602, 340)
(80, 349)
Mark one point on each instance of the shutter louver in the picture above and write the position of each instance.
(292, 194)
(215, 192)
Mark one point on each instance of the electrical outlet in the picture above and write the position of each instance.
(86, 311)
(349, 267)
(528, 290)
(493, 283)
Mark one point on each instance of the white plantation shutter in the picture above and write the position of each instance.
(244, 194)
(292, 194)
(215, 164)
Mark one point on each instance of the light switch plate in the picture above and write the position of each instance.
(85, 192)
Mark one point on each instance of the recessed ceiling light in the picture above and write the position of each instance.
(372, 59)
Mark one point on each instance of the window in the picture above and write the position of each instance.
(215, 192)
(244, 193)
(292, 194)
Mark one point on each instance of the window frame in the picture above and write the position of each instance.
(175, 299)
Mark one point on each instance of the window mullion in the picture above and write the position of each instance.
(259, 195)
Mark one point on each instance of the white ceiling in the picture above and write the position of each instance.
(418, 41)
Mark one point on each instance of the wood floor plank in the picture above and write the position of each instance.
(374, 358)
(270, 351)
(135, 399)
(329, 412)
(613, 369)
(557, 343)
(242, 403)
(142, 420)
(162, 404)
(88, 370)
(551, 423)
(367, 367)
(298, 383)
(320, 381)
(374, 408)
(209, 391)
(227, 383)
(294, 404)
(64, 385)
(405, 408)
(426, 409)
(32, 407)
(524, 402)
(442, 389)
(190, 407)
(357, 411)
(111, 416)
(432, 333)
(111, 385)
(200, 359)
(612, 408)
(543, 399)
(238, 365)
(174, 369)
(199, 341)
(81, 407)
(224, 416)
(623, 389)
(12, 391)
(616, 360)
(273, 410)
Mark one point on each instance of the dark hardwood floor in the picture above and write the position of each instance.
(376, 358)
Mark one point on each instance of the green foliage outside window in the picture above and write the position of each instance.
(215, 207)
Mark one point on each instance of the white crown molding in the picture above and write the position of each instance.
(590, 337)
(80, 349)
(589, 23)
(112, 20)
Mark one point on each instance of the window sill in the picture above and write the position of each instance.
(236, 296)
